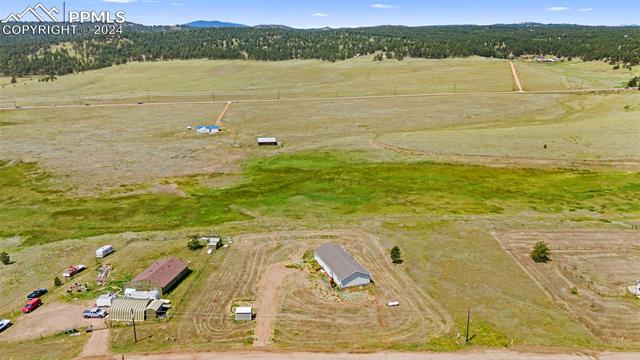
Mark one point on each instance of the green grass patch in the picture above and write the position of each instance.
(322, 185)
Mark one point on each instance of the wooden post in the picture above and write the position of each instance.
(148, 98)
(213, 96)
(15, 104)
(468, 321)
(135, 334)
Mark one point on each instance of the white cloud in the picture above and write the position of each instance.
(176, 4)
(382, 6)
(320, 14)
(557, 8)
(587, 9)
(120, 1)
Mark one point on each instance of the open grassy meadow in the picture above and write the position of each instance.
(437, 175)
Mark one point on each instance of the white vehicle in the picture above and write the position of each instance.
(393, 303)
(4, 324)
(104, 251)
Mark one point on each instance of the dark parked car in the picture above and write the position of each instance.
(37, 293)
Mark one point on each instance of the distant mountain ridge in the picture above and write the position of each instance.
(212, 24)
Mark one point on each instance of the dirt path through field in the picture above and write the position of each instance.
(515, 77)
(470, 355)
(224, 111)
(97, 346)
(267, 303)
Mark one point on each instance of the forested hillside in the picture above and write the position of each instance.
(45, 55)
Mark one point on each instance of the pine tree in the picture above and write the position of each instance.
(396, 255)
(541, 252)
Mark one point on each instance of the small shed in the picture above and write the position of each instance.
(268, 141)
(123, 309)
(105, 300)
(104, 251)
(207, 129)
(244, 313)
(154, 309)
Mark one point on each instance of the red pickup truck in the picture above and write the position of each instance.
(32, 305)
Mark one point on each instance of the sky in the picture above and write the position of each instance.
(353, 13)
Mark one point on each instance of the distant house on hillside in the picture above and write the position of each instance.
(162, 275)
(341, 266)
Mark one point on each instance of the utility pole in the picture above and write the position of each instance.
(135, 334)
(468, 321)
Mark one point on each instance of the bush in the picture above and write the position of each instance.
(541, 252)
(396, 255)
(5, 259)
(194, 244)
(57, 282)
(634, 82)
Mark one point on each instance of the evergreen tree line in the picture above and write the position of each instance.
(59, 55)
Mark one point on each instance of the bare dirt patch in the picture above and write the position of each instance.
(48, 319)
(588, 276)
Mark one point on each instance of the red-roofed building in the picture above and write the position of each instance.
(162, 275)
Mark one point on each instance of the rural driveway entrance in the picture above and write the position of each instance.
(267, 305)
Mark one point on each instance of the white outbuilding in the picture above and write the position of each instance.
(341, 266)
(244, 313)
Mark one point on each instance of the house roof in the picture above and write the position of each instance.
(243, 310)
(162, 272)
(341, 263)
(154, 305)
(210, 127)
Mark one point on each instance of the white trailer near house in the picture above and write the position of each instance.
(104, 251)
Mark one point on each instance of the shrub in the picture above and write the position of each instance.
(5, 259)
(541, 252)
(57, 282)
(194, 244)
(396, 255)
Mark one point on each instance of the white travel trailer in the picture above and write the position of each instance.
(104, 251)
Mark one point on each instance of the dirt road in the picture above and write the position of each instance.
(345, 98)
(224, 111)
(475, 355)
(97, 346)
(515, 77)
(267, 304)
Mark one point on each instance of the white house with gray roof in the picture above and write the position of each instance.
(341, 266)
